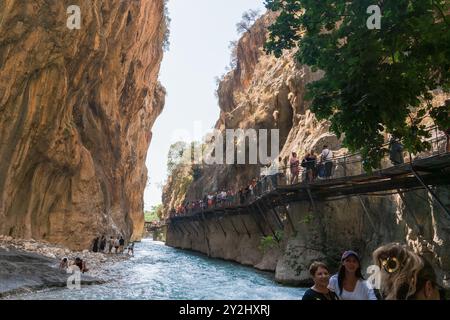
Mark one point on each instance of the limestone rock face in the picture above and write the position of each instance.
(265, 92)
(76, 111)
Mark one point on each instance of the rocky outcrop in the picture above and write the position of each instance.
(29, 265)
(265, 92)
(22, 272)
(76, 111)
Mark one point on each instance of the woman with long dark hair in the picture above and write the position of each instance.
(349, 283)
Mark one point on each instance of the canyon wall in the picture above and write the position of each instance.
(76, 112)
(265, 92)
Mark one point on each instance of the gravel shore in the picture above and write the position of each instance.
(29, 265)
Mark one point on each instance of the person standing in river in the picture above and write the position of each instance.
(102, 243)
(116, 245)
(131, 248)
(95, 245)
(319, 291)
(80, 263)
(110, 244)
(64, 264)
(121, 244)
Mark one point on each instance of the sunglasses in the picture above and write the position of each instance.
(390, 264)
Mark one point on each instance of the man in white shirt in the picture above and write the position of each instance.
(326, 158)
(274, 172)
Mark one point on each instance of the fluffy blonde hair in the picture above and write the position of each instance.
(403, 272)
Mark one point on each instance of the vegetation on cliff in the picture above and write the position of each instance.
(376, 80)
(155, 214)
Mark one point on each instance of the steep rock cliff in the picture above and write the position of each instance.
(265, 92)
(76, 111)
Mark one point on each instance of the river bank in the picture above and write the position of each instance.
(29, 265)
(159, 272)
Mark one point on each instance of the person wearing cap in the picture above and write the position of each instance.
(319, 291)
(348, 283)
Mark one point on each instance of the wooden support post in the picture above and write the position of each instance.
(411, 213)
(191, 224)
(185, 229)
(198, 225)
(430, 192)
(234, 227)
(278, 219)
(205, 227)
(308, 190)
(265, 218)
(178, 229)
(288, 216)
(246, 229)
(367, 213)
(218, 221)
(204, 222)
(255, 218)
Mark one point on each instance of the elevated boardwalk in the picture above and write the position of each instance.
(420, 173)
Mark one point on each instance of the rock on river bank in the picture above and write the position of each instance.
(28, 265)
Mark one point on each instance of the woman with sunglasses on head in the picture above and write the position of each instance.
(319, 291)
(349, 284)
(404, 275)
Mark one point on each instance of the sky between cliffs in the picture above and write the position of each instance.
(200, 33)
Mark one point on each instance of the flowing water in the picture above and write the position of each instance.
(160, 272)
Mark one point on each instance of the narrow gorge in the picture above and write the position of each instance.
(80, 94)
(263, 92)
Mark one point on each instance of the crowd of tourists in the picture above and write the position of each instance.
(112, 245)
(102, 245)
(402, 275)
(314, 166)
(224, 198)
(278, 173)
(294, 170)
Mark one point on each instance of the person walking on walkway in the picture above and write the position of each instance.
(309, 163)
(326, 160)
(395, 151)
(294, 166)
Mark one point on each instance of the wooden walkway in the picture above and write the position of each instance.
(433, 170)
